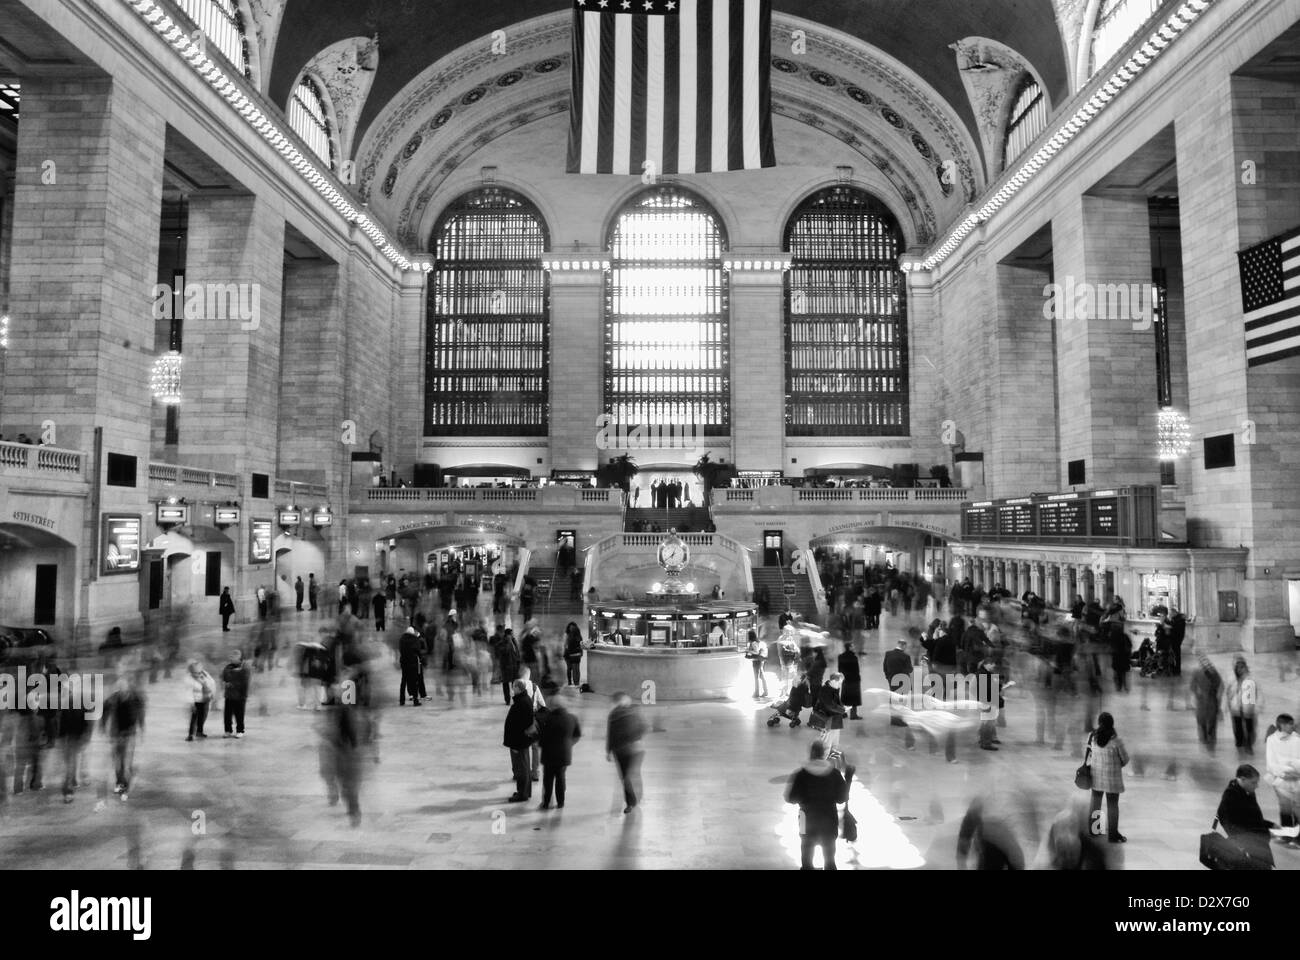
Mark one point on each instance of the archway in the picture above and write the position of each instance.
(198, 561)
(38, 580)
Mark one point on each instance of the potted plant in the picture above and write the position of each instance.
(940, 473)
(618, 472)
(713, 475)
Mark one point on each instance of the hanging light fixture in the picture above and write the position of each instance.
(165, 380)
(1173, 434)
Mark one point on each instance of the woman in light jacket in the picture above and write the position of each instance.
(1107, 758)
(1243, 705)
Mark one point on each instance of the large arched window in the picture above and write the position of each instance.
(488, 330)
(846, 319)
(667, 335)
(1117, 22)
(223, 25)
(1028, 118)
(310, 120)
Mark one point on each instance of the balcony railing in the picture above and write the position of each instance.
(193, 477)
(42, 461)
(558, 495)
(847, 495)
(293, 489)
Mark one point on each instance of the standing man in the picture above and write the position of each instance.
(124, 717)
(380, 605)
(226, 607)
(410, 648)
(298, 590)
(559, 731)
(261, 602)
(235, 680)
(818, 788)
(623, 745)
(516, 740)
(313, 588)
(1282, 763)
(898, 663)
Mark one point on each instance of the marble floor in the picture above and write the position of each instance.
(435, 788)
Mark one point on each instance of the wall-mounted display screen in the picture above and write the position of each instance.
(120, 544)
(260, 542)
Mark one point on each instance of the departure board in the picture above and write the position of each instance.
(1130, 516)
(1105, 517)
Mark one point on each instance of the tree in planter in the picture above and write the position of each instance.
(940, 473)
(713, 475)
(618, 472)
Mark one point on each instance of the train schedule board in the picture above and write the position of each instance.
(1123, 517)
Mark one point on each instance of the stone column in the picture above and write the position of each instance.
(409, 419)
(926, 407)
(758, 366)
(577, 365)
(86, 210)
(1106, 384)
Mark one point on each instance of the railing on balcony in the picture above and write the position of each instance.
(293, 489)
(560, 496)
(193, 477)
(43, 461)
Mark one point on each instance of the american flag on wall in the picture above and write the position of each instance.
(684, 85)
(1270, 298)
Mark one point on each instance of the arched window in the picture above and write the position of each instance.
(488, 329)
(309, 119)
(1117, 22)
(667, 333)
(846, 319)
(1028, 118)
(223, 25)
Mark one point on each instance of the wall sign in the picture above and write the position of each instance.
(120, 544)
(322, 518)
(260, 541)
(227, 516)
(290, 518)
(171, 514)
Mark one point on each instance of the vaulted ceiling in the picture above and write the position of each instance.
(413, 34)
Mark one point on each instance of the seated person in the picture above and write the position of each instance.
(1240, 816)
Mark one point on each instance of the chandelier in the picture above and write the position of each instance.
(165, 380)
(1173, 434)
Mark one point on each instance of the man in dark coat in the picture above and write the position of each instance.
(851, 692)
(298, 590)
(898, 663)
(226, 607)
(559, 731)
(1241, 817)
(623, 745)
(236, 680)
(410, 648)
(518, 719)
(818, 788)
(1177, 631)
(313, 590)
(380, 604)
(510, 659)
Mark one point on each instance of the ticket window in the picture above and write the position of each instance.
(1160, 590)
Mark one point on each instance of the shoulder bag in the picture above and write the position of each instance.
(1083, 776)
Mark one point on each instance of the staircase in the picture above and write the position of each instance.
(645, 519)
(556, 598)
(776, 579)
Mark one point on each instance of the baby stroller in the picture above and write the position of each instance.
(790, 707)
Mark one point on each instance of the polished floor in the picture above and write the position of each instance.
(435, 788)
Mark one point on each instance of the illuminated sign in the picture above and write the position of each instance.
(322, 518)
(227, 516)
(171, 514)
(290, 518)
(120, 544)
(260, 542)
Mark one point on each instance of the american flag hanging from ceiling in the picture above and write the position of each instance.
(671, 86)
(1270, 298)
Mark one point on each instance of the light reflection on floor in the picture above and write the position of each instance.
(881, 844)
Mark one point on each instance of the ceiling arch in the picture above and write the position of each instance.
(415, 33)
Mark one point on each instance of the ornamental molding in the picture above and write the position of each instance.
(266, 16)
(991, 73)
(347, 69)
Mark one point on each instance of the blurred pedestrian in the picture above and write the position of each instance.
(518, 720)
(573, 655)
(410, 648)
(558, 732)
(124, 719)
(380, 605)
(851, 689)
(987, 832)
(829, 703)
(1207, 688)
(340, 758)
(623, 734)
(756, 654)
(818, 788)
(313, 590)
(1108, 757)
(298, 590)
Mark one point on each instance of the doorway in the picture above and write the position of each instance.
(155, 584)
(1293, 605)
(773, 548)
(47, 578)
(212, 578)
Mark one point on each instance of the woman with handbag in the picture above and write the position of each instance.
(828, 714)
(1104, 759)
